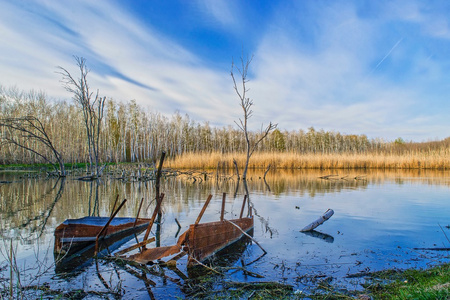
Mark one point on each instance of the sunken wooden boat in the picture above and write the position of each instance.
(80, 255)
(199, 242)
(75, 234)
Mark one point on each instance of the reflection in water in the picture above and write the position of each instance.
(31, 218)
(27, 205)
(378, 217)
(317, 234)
(74, 262)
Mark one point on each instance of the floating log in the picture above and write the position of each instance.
(319, 221)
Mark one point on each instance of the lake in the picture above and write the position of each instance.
(379, 218)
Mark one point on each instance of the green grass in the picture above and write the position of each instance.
(433, 283)
(40, 167)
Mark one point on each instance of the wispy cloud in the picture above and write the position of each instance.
(135, 61)
(335, 86)
(223, 12)
(331, 66)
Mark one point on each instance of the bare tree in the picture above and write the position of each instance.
(246, 105)
(92, 110)
(31, 129)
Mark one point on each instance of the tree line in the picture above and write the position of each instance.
(132, 133)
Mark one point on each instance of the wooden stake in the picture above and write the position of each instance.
(114, 206)
(200, 215)
(155, 213)
(223, 206)
(243, 206)
(139, 210)
(106, 225)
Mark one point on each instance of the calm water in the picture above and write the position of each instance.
(379, 218)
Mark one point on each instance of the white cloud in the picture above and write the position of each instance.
(222, 11)
(107, 36)
(330, 81)
(337, 86)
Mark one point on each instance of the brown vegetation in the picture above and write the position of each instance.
(408, 159)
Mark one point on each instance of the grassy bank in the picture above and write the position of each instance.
(432, 283)
(439, 160)
(41, 167)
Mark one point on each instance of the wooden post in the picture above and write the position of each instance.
(223, 206)
(114, 206)
(200, 215)
(137, 215)
(158, 198)
(243, 206)
(152, 220)
(158, 175)
(106, 225)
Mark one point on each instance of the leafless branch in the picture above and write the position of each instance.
(246, 104)
(27, 129)
(92, 110)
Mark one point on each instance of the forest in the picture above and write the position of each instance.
(132, 133)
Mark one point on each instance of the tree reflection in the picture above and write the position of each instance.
(40, 220)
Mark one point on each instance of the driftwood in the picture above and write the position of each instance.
(247, 235)
(319, 221)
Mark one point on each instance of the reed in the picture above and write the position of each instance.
(436, 159)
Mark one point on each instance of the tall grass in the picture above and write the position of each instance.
(436, 159)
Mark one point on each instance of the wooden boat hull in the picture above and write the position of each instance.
(206, 239)
(75, 234)
(200, 241)
(82, 257)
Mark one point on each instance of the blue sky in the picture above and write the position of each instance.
(380, 68)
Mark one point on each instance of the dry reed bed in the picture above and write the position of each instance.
(439, 159)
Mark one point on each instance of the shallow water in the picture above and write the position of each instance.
(379, 218)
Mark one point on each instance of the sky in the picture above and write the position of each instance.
(379, 68)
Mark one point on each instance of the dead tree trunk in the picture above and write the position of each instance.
(92, 111)
(246, 105)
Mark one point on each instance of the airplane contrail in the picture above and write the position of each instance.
(386, 56)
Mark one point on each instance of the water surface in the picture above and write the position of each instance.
(380, 217)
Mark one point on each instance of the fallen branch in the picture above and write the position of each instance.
(246, 234)
(203, 265)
